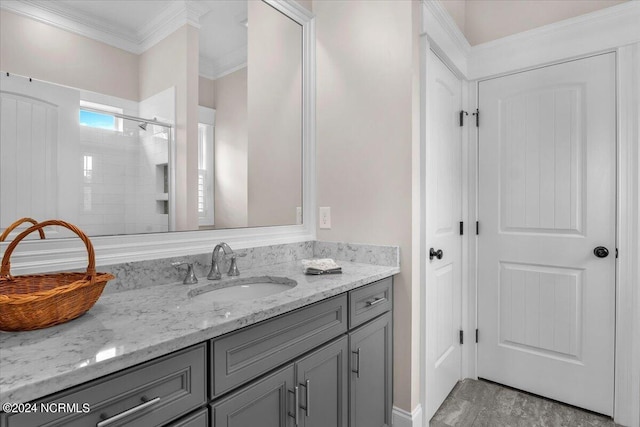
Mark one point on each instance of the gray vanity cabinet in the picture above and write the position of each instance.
(268, 402)
(151, 394)
(328, 364)
(311, 392)
(371, 373)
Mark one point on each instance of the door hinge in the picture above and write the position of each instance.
(477, 227)
(477, 114)
(461, 228)
(461, 336)
(616, 253)
(476, 335)
(462, 114)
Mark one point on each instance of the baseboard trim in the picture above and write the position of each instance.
(402, 418)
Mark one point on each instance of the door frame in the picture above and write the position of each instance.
(570, 39)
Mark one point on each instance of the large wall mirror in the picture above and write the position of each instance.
(152, 116)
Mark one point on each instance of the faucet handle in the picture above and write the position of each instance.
(233, 267)
(214, 273)
(190, 278)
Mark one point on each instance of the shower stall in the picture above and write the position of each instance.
(100, 162)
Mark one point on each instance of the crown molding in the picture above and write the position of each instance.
(232, 61)
(445, 36)
(600, 31)
(174, 16)
(440, 14)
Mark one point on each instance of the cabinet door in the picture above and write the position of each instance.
(268, 402)
(322, 378)
(371, 373)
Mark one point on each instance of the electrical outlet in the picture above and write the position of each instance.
(325, 217)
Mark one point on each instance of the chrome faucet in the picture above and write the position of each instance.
(214, 273)
(190, 278)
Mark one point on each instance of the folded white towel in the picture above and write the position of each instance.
(321, 266)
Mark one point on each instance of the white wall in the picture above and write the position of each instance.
(366, 72)
(231, 139)
(206, 95)
(274, 84)
(41, 51)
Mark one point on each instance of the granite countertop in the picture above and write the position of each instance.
(130, 327)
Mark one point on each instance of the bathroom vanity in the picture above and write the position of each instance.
(319, 354)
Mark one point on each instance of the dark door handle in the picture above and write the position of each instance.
(437, 254)
(601, 252)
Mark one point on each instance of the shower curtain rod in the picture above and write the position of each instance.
(124, 116)
(97, 110)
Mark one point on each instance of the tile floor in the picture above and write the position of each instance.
(476, 403)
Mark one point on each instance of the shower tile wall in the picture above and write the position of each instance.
(108, 159)
(105, 181)
(151, 206)
(122, 191)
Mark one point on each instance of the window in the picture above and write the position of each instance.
(100, 120)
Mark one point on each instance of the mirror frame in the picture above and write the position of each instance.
(36, 256)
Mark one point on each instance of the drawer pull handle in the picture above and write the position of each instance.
(357, 370)
(296, 404)
(145, 404)
(307, 395)
(375, 301)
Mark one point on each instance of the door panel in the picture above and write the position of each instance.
(547, 197)
(443, 213)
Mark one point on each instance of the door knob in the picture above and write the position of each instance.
(601, 252)
(437, 254)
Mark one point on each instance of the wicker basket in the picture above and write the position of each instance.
(9, 229)
(41, 300)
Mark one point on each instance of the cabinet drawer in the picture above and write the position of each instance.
(370, 301)
(151, 394)
(241, 356)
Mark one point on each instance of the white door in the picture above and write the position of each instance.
(547, 199)
(443, 215)
(40, 161)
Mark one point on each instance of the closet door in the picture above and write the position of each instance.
(443, 186)
(547, 248)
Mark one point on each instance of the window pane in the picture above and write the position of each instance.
(97, 120)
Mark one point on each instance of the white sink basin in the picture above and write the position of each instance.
(244, 288)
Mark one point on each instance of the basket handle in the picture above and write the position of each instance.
(5, 269)
(9, 229)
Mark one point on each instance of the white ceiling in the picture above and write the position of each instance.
(135, 25)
